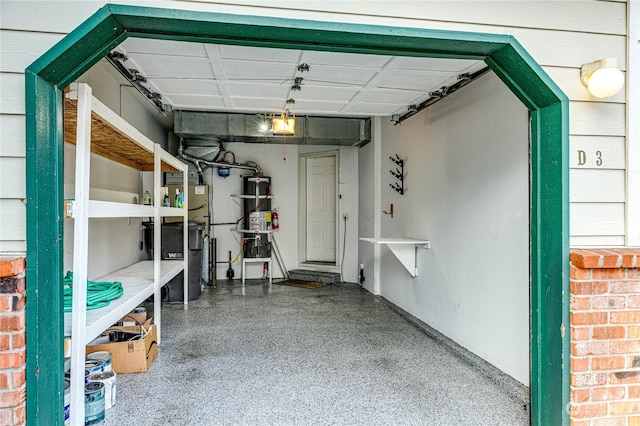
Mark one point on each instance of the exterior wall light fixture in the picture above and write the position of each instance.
(602, 77)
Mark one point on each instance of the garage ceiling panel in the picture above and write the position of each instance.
(146, 46)
(409, 80)
(319, 107)
(405, 97)
(349, 60)
(330, 75)
(263, 55)
(196, 102)
(366, 108)
(255, 89)
(310, 92)
(183, 86)
(254, 71)
(435, 64)
(254, 104)
(162, 66)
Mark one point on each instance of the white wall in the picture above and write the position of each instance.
(284, 178)
(468, 193)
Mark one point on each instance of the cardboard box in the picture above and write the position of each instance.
(126, 320)
(67, 347)
(135, 356)
(133, 319)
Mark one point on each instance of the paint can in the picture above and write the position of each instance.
(104, 356)
(67, 375)
(67, 402)
(93, 403)
(94, 366)
(108, 378)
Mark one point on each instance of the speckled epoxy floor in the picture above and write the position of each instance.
(279, 355)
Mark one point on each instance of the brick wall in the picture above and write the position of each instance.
(12, 342)
(605, 337)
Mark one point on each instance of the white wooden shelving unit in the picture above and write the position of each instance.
(93, 127)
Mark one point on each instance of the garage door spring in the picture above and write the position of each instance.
(99, 293)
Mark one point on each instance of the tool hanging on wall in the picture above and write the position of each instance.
(399, 174)
(390, 212)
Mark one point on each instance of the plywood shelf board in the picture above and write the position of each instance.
(109, 142)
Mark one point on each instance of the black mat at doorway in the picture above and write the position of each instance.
(302, 284)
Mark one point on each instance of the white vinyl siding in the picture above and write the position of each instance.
(12, 93)
(13, 225)
(602, 219)
(21, 48)
(12, 177)
(12, 136)
(633, 126)
(560, 36)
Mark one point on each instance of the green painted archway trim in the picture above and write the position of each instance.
(110, 25)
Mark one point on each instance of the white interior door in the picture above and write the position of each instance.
(321, 209)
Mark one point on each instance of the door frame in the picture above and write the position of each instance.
(302, 212)
(46, 78)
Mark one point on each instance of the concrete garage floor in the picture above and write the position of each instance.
(279, 355)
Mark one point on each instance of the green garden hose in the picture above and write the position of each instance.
(99, 293)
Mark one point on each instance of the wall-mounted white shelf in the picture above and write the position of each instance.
(405, 249)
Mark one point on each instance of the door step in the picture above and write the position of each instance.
(317, 276)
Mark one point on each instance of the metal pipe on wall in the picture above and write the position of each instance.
(199, 161)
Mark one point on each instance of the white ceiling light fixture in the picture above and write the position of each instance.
(602, 77)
